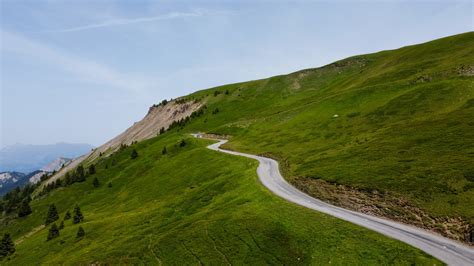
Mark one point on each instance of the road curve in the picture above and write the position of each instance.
(446, 250)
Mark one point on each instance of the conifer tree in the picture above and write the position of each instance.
(91, 169)
(80, 232)
(67, 216)
(7, 247)
(134, 154)
(68, 179)
(80, 174)
(78, 217)
(96, 182)
(53, 232)
(109, 184)
(52, 214)
(162, 130)
(183, 143)
(25, 208)
(164, 150)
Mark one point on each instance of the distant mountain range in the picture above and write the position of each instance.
(11, 180)
(28, 158)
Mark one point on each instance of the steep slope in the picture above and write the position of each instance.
(158, 117)
(389, 134)
(191, 206)
(56, 164)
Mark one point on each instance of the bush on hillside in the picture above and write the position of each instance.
(134, 154)
(96, 182)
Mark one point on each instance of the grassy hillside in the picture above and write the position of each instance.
(395, 129)
(192, 206)
(389, 133)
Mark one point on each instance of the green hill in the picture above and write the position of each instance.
(389, 133)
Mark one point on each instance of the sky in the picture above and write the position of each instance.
(84, 71)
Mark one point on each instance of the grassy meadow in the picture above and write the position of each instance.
(193, 206)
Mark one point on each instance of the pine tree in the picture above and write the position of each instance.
(52, 214)
(162, 130)
(134, 154)
(164, 150)
(67, 216)
(109, 184)
(80, 232)
(61, 225)
(7, 247)
(91, 169)
(95, 182)
(80, 174)
(68, 179)
(25, 208)
(183, 143)
(53, 232)
(78, 217)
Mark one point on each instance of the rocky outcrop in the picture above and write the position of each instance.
(158, 116)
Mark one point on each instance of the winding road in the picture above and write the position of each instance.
(446, 250)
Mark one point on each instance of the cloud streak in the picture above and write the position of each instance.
(87, 70)
(121, 22)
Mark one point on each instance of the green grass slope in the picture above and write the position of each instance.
(395, 129)
(192, 206)
(389, 133)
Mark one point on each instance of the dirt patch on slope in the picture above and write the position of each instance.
(384, 204)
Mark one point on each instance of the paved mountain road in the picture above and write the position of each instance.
(446, 250)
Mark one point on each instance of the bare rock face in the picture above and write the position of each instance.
(158, 116)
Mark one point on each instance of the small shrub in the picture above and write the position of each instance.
(353, 114)
(134, 154)
(96, 182)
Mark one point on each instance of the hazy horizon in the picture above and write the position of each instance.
(83, 72)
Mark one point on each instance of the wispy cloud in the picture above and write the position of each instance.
(85, 69)
(128, 21)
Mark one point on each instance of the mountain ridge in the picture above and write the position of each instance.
(395, 127)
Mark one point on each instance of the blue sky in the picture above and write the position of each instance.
(83, 71)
